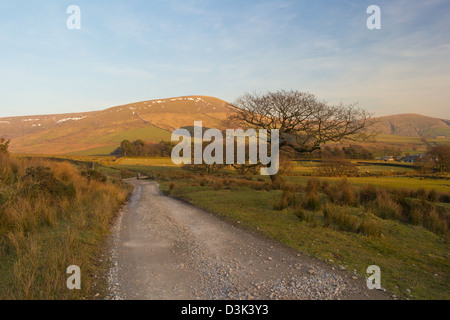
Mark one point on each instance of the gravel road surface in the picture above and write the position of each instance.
(163, 248)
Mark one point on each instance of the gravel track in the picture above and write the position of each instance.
(166, 249)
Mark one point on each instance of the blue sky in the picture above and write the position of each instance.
(136, 50)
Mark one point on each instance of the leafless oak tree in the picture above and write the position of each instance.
(304, 122)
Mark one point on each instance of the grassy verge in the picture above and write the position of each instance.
(414, 261)
(52, 216)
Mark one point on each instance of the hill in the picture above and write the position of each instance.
(413, 125)
(100, 132)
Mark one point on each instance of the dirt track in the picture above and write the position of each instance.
(163, 248)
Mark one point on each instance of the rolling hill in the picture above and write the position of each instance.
(413, 125)
(100, 132)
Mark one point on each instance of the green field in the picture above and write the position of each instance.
(301, 172)
(95, 151)
(149, 134)
(414, 261)
(391, 182)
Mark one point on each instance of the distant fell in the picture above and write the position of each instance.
(100, 132)
(413, 125)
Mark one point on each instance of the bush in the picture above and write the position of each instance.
(2, 199)
(281, 204)
(311, 202)
(345, 194)
(385, 207)
(367, 194)
(445, 197)
(291, 198)
(94, 175)
(370, 227)
(348, 222)
(40, 180)
(338, 216)
(433, 223)
(329, 191)
(278, 184)
(125, 174)
(313, 185)
(4, 145)
(433, 196)
(416, 216)
(306, 216)
(421, 194)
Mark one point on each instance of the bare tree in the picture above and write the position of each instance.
(304, 122)
(441, 157)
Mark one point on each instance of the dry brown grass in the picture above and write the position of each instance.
(46, 228)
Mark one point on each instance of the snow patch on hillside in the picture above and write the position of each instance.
(71, 119)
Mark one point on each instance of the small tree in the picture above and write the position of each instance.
(441, 157)
(127, 148)
(4, 145)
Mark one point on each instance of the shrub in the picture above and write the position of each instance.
(445, 197)
(433, 196)
(4, 145)
(125, 174)
(345, 194)
(313, 185)
(94, 175)
(367, 194)
(306, 216)
(420, 194)
(370, 227)
(278, 184)
(349, 222)
(311, 202)
(281, 203)
(329, 191)
(291, 198)
(433, 223)
(416, 216)
(385, 207)
(338, 216)
(65, 171)
(40, 180)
